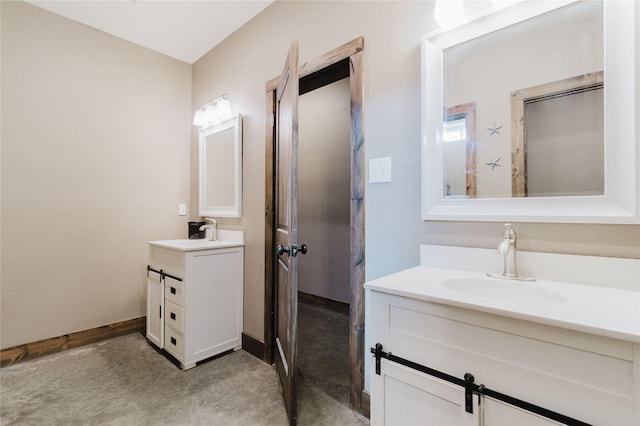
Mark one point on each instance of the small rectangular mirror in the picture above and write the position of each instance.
(220, 169)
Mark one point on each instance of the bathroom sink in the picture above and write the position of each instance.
(506, 290)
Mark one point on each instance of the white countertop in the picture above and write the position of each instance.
(227, 239)
(590, 309)
(193, 245)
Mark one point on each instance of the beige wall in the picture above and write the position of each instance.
(95, 159)
(96, 156)
(392, 30)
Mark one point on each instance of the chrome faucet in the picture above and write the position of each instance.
(212, 236)
(507, 247)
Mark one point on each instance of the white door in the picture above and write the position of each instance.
(401, 396)
(497, 413)
(155, 308)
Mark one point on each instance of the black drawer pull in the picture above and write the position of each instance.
(173, 290)
(173, 341)
(173, 316)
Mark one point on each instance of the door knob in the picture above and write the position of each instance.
(295, 250)
(291, 250)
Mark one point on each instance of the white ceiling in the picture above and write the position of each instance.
(182, 29)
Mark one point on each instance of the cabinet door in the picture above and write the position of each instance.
(497, 413)
(155, 309)
(401, 396)
(213, 303)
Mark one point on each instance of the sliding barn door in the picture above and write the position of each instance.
(286, 192)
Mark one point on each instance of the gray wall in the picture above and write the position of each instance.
(324, 177)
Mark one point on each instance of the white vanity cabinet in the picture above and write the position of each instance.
(195, 297)
(591, 378)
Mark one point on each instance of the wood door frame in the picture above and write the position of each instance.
(353, 52)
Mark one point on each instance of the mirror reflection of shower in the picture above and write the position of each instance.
(537, 89)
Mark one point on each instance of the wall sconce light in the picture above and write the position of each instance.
(213, 112)
(448, 13)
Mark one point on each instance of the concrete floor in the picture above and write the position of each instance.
(124, 381)
(323, 368)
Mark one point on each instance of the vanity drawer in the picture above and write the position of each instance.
(174, 316)
(174, 342)
(173, 291)
(170, 261)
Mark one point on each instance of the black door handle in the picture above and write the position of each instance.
(282, 250)
(292, 250)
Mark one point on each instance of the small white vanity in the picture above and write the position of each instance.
(194, 296)
(569, 347)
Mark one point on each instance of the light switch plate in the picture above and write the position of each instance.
(380, 170)
(182, 209)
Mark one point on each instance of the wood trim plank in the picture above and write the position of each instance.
(329, 58)
(29, 351)
(357, 211)
(253, 346)
(323, 302)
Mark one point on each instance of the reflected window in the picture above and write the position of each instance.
(455, 130)
(459, 151)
